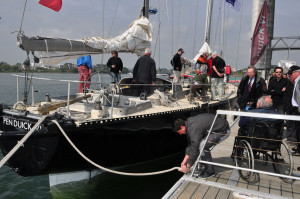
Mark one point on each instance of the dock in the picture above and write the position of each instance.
(227, 184)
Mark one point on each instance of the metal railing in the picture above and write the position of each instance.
(48, 79)
(244, 114)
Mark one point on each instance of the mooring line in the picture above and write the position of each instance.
(106, 169)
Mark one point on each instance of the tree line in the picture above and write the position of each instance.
(66, 68)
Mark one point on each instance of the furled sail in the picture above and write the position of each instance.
(54, 50)
(205, 48)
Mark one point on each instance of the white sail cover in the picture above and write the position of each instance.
(54, 50)
(136, 39)
(205, 48)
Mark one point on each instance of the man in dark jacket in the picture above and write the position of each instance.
(217, 81)
(116, 66)
(144, 72)
(250, 89)
(276, 88)
(177, 65)
(196, 128)
(292, 101)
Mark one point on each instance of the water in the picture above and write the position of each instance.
(106, 185)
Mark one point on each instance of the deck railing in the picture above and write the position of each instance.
(250, 115)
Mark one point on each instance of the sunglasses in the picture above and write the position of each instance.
(278, 72)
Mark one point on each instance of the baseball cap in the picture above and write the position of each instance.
(293, 68)
(180, 49)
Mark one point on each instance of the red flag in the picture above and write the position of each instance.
(52, 4)
(260, 37)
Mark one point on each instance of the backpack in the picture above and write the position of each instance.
(172, 62)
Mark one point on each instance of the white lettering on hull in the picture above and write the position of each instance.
(18, 124)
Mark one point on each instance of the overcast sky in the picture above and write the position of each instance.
(80, 18)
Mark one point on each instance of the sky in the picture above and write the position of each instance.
(181, 22)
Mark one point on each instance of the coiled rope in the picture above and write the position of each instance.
(106, 169)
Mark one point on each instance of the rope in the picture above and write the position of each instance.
(113, 21)
(196, 23)
(157, 41)
(103, 9)
(106, 169)
(23, 16)
(217, 27)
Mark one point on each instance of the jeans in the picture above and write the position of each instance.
(217, 83)
(212, 141)
(140, 88)
(115, 77)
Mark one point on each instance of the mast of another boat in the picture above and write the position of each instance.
(208, 21)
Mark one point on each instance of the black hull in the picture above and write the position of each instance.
(113, 143)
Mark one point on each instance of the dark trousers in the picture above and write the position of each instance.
(212, 141)
(142, 89)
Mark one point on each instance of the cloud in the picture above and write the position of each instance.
(78, 19)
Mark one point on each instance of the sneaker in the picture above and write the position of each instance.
(206, 175)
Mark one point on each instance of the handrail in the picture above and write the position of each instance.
(245, 114)
(60, 80)
(260, 115)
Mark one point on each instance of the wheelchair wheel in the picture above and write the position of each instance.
(244, 158)
(283, 162)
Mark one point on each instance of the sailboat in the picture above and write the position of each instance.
(107, 123)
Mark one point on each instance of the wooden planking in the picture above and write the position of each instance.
(189, 191)
(264, 185)
(181, 189)
(286, 190)
(230, 195)
(200, 192)
(275, 187)
(212, 191)
(296, 191)
(296, 195)
(254, 186)
(223, 193)
(242, 184)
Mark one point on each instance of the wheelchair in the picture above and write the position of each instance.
(262, 138)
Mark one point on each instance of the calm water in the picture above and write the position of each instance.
(13, 186)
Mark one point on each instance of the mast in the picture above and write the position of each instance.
(264, 63)
(146, 9)
(208, 21)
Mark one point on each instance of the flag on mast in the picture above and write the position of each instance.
(52, 4)
(235, 4)
(260, 37)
